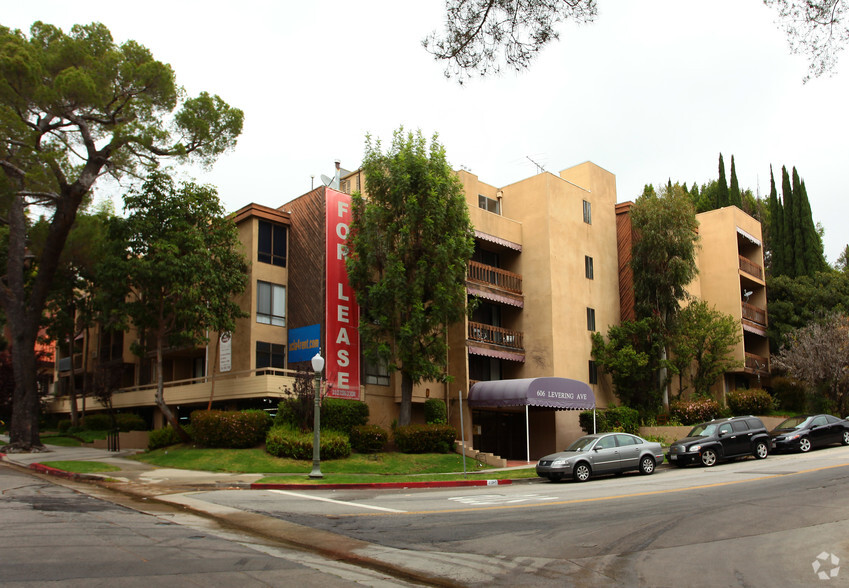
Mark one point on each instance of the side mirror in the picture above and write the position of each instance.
(722, 434)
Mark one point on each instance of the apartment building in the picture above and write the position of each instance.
(547, 272)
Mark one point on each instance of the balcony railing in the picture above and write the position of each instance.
(751, 268)
(754, 314)
(757, 363)
(495, 335)
(493, 276)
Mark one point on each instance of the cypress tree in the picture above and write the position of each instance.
(788, 231)
(734, 196)
(800, 232)
(722, 197)
(775, 229)
(814, 255)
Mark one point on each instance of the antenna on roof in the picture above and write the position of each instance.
(540, 169)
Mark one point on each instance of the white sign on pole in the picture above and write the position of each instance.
(225, 351)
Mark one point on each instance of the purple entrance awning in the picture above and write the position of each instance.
(559, 393)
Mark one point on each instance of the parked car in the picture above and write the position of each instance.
(603, 453)
(721, 439)
(803, 433)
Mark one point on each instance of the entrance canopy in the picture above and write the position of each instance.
(558, 393)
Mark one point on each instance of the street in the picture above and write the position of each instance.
(52, 535)
(745, 523)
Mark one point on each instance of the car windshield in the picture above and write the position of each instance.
(796, 422)
(703, 430)
(581, 444)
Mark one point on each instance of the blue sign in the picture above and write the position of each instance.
(304, 343)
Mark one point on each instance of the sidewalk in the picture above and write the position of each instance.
(151, 480)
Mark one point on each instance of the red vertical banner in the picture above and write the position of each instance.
(343, 315)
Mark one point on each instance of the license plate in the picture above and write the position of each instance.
(672, 457)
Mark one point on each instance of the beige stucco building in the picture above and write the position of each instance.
(549, 269)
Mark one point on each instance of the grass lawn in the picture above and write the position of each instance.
(81, 467)
(358, 468)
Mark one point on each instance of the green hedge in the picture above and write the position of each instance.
(230, 429)
(754, 402)
(96, 422)
(435, 412)
(283, 441)
(368, 438)
(425, 438)
(342, 415)
(164, 437)
(614, 418)
(130, 422)
(692, 412)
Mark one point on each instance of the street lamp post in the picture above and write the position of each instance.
(317, 366)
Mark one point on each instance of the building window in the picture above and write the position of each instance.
(489, 204)
(593, 373)
(377, 372)
(270, 355)
(591, 319)
(588, 267)
(270, 304)
(271, 246)
(588, 213)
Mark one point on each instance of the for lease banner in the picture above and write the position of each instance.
(343, 338)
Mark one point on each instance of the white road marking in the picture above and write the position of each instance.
(321, 499)
(491, 499)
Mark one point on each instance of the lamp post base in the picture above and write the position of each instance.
(316, 474)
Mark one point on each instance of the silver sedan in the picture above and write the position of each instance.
(603, 453)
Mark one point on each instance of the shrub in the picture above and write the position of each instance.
(283, 441)
(368, 438)
(425, 438)
(97, 422)
(130, 422)
(342, 415)
(63, 425)
(164, 437)
(230, 429)
(791, 396)
(691, 412)
(435, 412)
(754, 401)
(614, 418)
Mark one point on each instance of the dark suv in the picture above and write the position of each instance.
(721, 439)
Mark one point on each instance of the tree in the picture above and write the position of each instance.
(74, 107)
(723, 198)
(663, 259)
(409, 246)
(842, 263)
(774, 233)
(702, 341)
(481, 36)
(177, 266)
(631, 357)
(793, 303)
(735, 198)
(818, 355)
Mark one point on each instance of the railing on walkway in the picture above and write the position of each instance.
(751, 268)
(495, 335)
(754, 314)
(218, 378)
(493, 276)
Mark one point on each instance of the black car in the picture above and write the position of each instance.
(721, 439)
(802, 433)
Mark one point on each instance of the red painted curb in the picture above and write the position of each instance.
(40, 467)
(379, 485)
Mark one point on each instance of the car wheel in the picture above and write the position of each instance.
(647, 465)
(708, 458)
(761, 450)
(582, 472)
(804, 445)
(845, 439)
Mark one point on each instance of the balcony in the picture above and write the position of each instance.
(757, 364)
(495, 277)
(495, 336)
(751, 268)
(754, 314)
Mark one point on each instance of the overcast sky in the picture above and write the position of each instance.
(653, 90)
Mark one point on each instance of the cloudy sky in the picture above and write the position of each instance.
(653, 90)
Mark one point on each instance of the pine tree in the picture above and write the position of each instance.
(788, 231)
(734, 196)
(722, 196)
(775, 229)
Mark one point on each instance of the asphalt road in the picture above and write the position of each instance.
(52, 535)
(776, 522)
